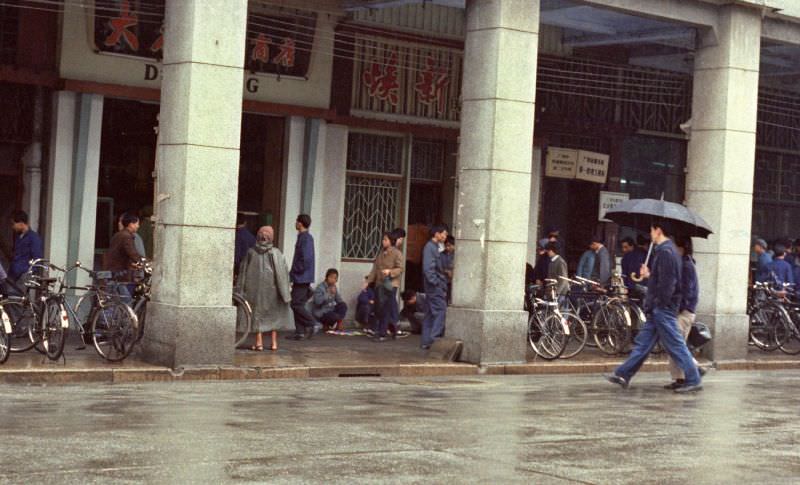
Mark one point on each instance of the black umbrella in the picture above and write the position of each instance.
(640, 213)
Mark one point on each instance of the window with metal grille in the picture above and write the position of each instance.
(9, 29)
(777, 177)
(372, 192)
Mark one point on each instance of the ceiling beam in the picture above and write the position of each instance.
(685, 36)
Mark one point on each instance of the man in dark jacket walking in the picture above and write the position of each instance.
(661, 305)
(301, 276)
(435, 287)
(601, 272)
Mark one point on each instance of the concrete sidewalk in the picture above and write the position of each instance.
(329, 356)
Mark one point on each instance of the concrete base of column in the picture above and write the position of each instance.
(489, 337)
(189, 335)
(730, 336)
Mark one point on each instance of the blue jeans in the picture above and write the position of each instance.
(661, 325)
(433, 324)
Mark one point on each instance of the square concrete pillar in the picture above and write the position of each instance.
(190, 318)
(494, 180)
(721, 161)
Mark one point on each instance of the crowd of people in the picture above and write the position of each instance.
(272, 287)
(779, 265)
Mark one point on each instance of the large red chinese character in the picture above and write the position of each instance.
(120, 26)
(431, 83)
(261, 49)
(159, 43)
(285, 56)
(381, 80)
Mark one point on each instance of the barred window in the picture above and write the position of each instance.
(427, 160)
(372, 192)
(777, 177)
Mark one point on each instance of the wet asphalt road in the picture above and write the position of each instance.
(744, 428)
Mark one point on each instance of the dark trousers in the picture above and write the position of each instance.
(433, 325)
(303, 320)
(388, 314)
(335, 316)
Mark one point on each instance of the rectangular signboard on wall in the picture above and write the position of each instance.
(561, 163)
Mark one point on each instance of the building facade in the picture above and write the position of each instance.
(503, 119)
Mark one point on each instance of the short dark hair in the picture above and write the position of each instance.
(628, 241)
(665, 226)
(392, 237)
(552, 246)
(642, 240)
(399, 232)
(408, 294)
(598, 238)
(128, 218)
(451, 240)
(685, 242)
(437, 228)
(780, 250)
(241, 219)
(305, 220)
(19, 216)
(330, 272)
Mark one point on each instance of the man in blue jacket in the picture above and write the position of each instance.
(301, 276)
(764, 263)
(27, 246)
(435, 280)
(661, 305)
(633, 258)
(781, 270)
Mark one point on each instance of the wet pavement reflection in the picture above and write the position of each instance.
(743, 428)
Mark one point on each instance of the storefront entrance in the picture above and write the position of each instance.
(127, 162)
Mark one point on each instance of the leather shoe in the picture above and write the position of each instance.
(674, 385)
(615, 379)
(702, 371)
(686, 389)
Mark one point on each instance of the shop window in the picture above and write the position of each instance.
(427, 167)
(653, 166)
(9, 27)
(372, 192)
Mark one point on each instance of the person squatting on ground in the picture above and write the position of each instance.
(302, 276)
(264, 282)
(385, 278)
(661, 305)
(328, 306)
(415, 305)
(435, 282)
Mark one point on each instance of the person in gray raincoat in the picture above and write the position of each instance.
(264, 282)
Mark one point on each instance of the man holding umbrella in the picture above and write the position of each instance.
(664, 287)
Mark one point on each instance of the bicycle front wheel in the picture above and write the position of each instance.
(140, 309)
(611, 328)
(5, 347)
(791, 342)
(769, 326)
(22, 318)
(114, 331)
(244, 319)
(547, 335)
(54, 327)
(578, 335)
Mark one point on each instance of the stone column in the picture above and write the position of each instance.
(59, 180)
(494, 177)
(32, 161)
(190, 319)
(721, 160)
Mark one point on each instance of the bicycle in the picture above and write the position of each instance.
(23, 311)
(244, 318)
(791, 342)
(113, 326)
(548, 331)
(611, 323)
(770, 323)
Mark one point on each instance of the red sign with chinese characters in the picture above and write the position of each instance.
(278, 44)
(406, 79)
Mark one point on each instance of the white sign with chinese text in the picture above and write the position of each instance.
(609, 200)
(561, 162)
(592, 167)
